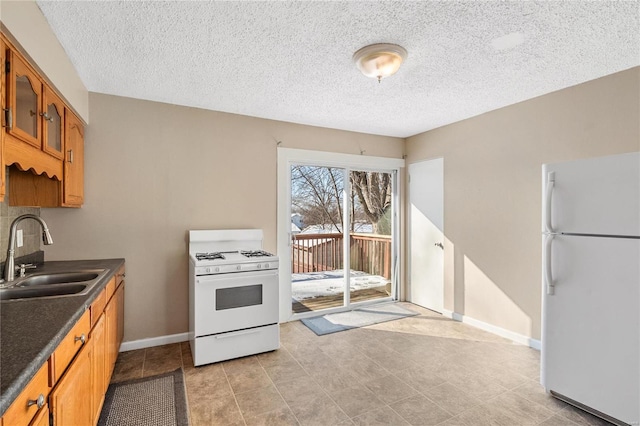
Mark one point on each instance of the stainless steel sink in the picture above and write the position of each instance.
(59, 278)
(55, 284)
(46, 291)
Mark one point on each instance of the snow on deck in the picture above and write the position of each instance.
(329, 283)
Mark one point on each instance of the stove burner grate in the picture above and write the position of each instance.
(209, 256)
(255, 253)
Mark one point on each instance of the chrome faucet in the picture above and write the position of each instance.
(9, 267)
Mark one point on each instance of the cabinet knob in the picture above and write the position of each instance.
(46, 116)
(82, 338)
(37, 402)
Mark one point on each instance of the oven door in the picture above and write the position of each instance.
(236, 301)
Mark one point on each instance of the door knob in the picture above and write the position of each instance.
(439, 245)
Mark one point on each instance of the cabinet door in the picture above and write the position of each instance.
(73, 193)
(111, 336)
(114, 329)
(120, 326)
(98, 365)
(25, 90)
(69, 401)
(53, 124)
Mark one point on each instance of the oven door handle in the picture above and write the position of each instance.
(237, 333)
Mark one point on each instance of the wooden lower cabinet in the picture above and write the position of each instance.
(114, 327)
(69, 401)
(32, 398)
(120, 320)
(98, 367)
(75, 379)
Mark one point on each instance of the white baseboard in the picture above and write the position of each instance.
(153, 341)
(507, 334)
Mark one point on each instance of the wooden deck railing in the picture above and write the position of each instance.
(369, 253)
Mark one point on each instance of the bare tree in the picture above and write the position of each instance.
(374, 195)
(317, 196)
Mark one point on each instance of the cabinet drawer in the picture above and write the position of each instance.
(21, 412)
(97, 307)
(70, 346)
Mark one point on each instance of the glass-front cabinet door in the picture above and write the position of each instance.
(53, 124)
(24, 103)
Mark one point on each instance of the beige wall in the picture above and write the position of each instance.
(492, 189)
(28, 26)
(153, 171)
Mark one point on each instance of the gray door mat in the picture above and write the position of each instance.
(333, 323)
(151, 401)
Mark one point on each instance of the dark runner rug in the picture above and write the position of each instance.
(150, 401)
(332, 323)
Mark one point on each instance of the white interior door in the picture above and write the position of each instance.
(426, 234)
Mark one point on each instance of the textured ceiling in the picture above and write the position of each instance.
(291, 61)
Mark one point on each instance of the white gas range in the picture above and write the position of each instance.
(233, 295)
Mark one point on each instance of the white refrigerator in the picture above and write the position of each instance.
(591, 285)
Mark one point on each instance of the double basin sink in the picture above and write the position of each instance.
(55, 284)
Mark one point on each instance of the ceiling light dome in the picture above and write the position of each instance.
(379, 60)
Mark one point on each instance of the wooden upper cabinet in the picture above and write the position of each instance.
(53, 124)
(42, 140)
(73, 192)
(3, 106)
(25, 92)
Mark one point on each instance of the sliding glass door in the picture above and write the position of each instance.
(343, 223)
(371, 224)
(317, 237)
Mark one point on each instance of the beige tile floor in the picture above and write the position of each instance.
(422, 370)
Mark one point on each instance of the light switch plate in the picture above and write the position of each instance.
(19, 241)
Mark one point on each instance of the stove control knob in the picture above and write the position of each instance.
(239, 267)
(218, 269)
(266, 265)
(207, 270)
(259, 266)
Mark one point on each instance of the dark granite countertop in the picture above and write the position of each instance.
(31, 329)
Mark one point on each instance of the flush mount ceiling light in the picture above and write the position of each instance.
(379, 60)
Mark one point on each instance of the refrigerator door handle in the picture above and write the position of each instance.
(548, 277)
(551, 179)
